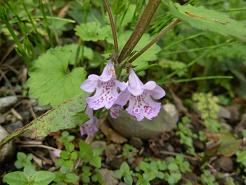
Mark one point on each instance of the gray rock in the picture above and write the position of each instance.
(41, 109)
(241, 125)
(7, 149)
(7, 102)
(127, 126)
(2, 119)
(224, 113)
(171, 109)
(13, 126)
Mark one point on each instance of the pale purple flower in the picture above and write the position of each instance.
(91, 126)
(106, 87)
(56, 153)
(141, 97)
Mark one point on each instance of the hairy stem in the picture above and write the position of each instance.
(155, 39)
(113, 26)
(141, 26)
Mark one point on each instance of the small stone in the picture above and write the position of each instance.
(241, 125)
(108, 177)
(171, 109)
(2, 119)
(13, 126)
(41, 109)
(224, 113)
(170, 148)
(26, 115)
(98, 144)
(225, 163)
(7, 102)
(7, 149)
(234, 113)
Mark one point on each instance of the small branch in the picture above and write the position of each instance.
(113, 26)
(141, 26)
(202, 78)
(155, 39)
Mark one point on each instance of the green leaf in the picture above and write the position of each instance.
(241, 157)
(127, 18)
(15, 178)
(51, 81)
(63, 116)
(87, 154)
(71, 178)
(204, 19)
(229, 145)
(93, 31)
(43, 177)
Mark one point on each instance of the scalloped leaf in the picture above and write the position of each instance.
(51, 81)
(205, 19)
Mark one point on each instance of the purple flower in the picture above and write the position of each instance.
(89, 127)
(106, 87)
(141, 98)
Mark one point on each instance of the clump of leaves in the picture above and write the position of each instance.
(129, 151)
(208, 107)
(29, 175)
(69, 158)
(170, 170)
(125, 172)
(207, 178)
(186, 135)
(241, 159)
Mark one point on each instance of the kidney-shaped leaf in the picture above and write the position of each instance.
(51, 80)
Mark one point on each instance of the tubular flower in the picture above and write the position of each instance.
(106, 87)
(89, 127)
(141, 97)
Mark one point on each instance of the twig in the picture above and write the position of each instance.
(202, 78)
(113, 26)
(141, 26)
(39, 146)
(155, 39)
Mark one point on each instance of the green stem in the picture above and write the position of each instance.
(113, 27)
(201, 78)
(155, 39)
(140, 28)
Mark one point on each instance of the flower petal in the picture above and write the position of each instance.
(90, 84)
(135, 86)
(121, 85)
(143, 106)
(105, 96)
(157, 92)
(90, 126)
(150, 85)
(108, 72)
(123, 97)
